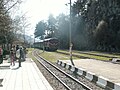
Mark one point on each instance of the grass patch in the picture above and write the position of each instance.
(101, 53)
(86, 55)
(30, 53)
(106, 54)
(54, 56)
(93, 56)
(29, 50)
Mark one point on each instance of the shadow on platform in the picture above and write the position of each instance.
(1, 82)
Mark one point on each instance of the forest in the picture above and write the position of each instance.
(95, 26)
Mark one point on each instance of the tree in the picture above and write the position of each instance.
(51, 28)
(95, 11)
(6, 22)
(40, 29)
(63, 29)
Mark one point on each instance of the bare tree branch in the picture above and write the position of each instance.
(11, 7)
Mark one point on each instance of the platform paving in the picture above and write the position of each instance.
(107, 70)
(27, 77)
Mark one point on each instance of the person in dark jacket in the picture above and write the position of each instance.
(17, 47)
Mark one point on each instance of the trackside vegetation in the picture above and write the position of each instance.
(64, 55)
(54, 56)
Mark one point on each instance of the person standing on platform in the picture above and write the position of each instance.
(17, 47)
(24, 52)
(21, 55)
(12, 55)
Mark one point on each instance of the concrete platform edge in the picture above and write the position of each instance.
(99, 80)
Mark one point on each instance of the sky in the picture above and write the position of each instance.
(38, 10)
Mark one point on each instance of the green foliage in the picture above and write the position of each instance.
(51, 26)
(7, 34)
(6, 52)
(63, 30)
(40, 29)
(100, 36)
(46, 28)
(2, 39)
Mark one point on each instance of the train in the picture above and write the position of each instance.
(49, 44)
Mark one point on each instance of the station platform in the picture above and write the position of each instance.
(104, 74)
(100, 68)
(27, 77)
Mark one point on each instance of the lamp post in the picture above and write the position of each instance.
(70, 42)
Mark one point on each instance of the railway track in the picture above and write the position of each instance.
(63, 80)
(84, 55)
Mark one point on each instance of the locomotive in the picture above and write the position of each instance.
(50, 44)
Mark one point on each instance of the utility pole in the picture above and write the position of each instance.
(70, 42)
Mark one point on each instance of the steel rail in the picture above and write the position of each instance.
(74, 79)
(53, 74)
